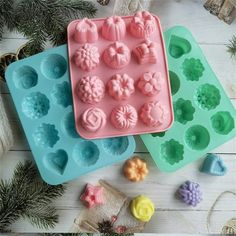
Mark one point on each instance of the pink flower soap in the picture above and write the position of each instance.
(92, 196)
(114, 28)
(120, 87)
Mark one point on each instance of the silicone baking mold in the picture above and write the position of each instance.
(41, 90)
(121, 78)
(204, 115)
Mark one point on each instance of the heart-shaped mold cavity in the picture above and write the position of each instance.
(54, 66)
(68, 125)
(35, 105)
(178, 46)
(46, 135)
(172, 151)
(183, 111)
(86, 153)
(57, 161)
(197, 137)
(174, 82)
(222, 122)
(193, 69)
(161, 134)
(207, 97)
(25, 77)
(116, 146)
(61, 94)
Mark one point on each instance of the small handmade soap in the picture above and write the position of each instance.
(213, 165)
(92, 196)
(135, 169)
(190, 193)
(142, 208)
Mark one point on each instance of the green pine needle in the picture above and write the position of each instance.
(27, 196)
(232, 46)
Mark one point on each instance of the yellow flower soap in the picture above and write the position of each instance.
(142, 208)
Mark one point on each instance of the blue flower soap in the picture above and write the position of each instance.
(213, 165)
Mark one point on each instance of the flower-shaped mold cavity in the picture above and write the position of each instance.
(87, 57)
(117, 55)
(178, 46)
(207, 97)
(25, 77)
(68, 125)
(172, 151)
(152, 114)
(57, 161)
(86, 153)
(46, 135)
(54, 66)
(146, 52)
(174, 82)
(161, 134)
(142, 24)
(124, 117)
(116, 146)
(114, 28)
(197, 137)
(183, 111)
(35, 105)
(120, 87)
(150, 83)
(91, 89)
(86, 31)
(61, 94)
(93, 119)
(193, 69)
(222, 122)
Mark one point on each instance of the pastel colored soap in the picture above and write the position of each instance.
(213, 165)
(114, 28)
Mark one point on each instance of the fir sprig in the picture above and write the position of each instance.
(27, 196)
(232, 46)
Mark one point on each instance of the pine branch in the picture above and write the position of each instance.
(26, 195)
(232, 46)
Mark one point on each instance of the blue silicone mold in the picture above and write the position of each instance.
(40, 88)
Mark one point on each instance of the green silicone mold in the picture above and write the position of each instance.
(204, 116)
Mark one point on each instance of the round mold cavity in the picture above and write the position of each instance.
(61, 94)
(25, 77)
(86, 153)
(183, 111)
(46, 135)
(161, 134)
(116, 146)
(68, 125)
(193, 69)
(222, 122)
(57, 161)
(172, 151)
(197, 137)
(207, 97)
(35, 105)
(178, 46)
(54, 66)
(174, 82)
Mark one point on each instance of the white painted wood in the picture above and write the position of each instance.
(171, 215)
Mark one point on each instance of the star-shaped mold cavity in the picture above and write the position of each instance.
(61, 94)
(193, 69)
(92, 196)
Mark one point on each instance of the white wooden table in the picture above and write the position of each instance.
(170, 215)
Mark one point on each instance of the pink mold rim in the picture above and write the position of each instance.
(93, 119)
(117, 55)
(91, 89)
(86, 31)
(120, 86)
(113, 28)
(142, 25)
(87, 57)
(124, 117)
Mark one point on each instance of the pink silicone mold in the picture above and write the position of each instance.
(116, 92)
(114, 28)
